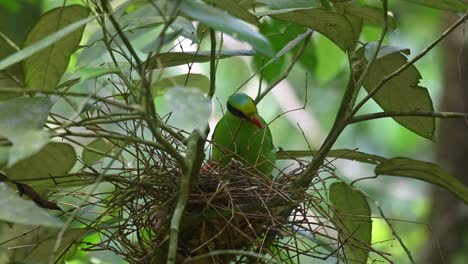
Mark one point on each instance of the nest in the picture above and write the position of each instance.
(229, 208)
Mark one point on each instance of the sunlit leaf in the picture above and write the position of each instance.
(18, 210)
(424, 171)
(348, 154)
(352, 217)
(42, 253)
(235, 9)
(383, 51)
(24, 113)
(47, 167)
(27, 143)
(193, 80)
(190, 108)
(164, 60)
(87, 73)
(402, 93)
(451, 5)
(21, 122)
(186, 28)
(44, 69)
(222, 21)
(99, 149)
(336, 27)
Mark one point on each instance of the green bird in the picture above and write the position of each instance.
(243, 135)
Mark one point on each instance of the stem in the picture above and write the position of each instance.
(286, 73)
(191, 157)
(409, 63)
(212, 63)
(373, 116)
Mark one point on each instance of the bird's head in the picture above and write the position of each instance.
(242, 106)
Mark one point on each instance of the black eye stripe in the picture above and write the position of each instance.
(235, 111)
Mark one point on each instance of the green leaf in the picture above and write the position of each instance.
(87, 73)
(99, 149)
(44, 69)
(21, 122)
(45, 167)
(334, 26)
(186, 28)
(42, 253)
(190, 108)
(226, 23)
(402, 93)
(193, 80)
(10, 76)
(24, 113)
(353, 219)
(4, 153)
(369, 14)
(27, 143)
(18, 210)
(284, 4)
(348, 154)
(383, 51)
(450, 5)
(43, 43)
(283, 38)
(424, 171)
(235, 9)
(164, 60)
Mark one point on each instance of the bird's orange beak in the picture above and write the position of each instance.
(256, 121)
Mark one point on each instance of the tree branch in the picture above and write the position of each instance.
(191, 157)
(373, 116)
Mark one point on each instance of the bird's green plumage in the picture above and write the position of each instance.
(236, 137)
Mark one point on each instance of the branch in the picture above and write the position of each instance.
(288, 70)
(409, 63)
(212, 63)
(191, 157)
(373, 116)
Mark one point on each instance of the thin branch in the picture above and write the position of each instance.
(288, 70)
(212, 63)
(409, 63)
(191, 157)
(373, 116)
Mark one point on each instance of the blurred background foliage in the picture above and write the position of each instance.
(322, 76)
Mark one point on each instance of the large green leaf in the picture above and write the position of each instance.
(222, 21)
(451, 5)
(169, 59)
(99, 149)
(352, 217)
(44, 69)
(337, 27)
(10, 76)
(193, 80)
(43, 43)
(21, 122)
(369, 14)
(424, 171)
(18, 210)
(47, 167)
(348, 154)
(402, 93)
